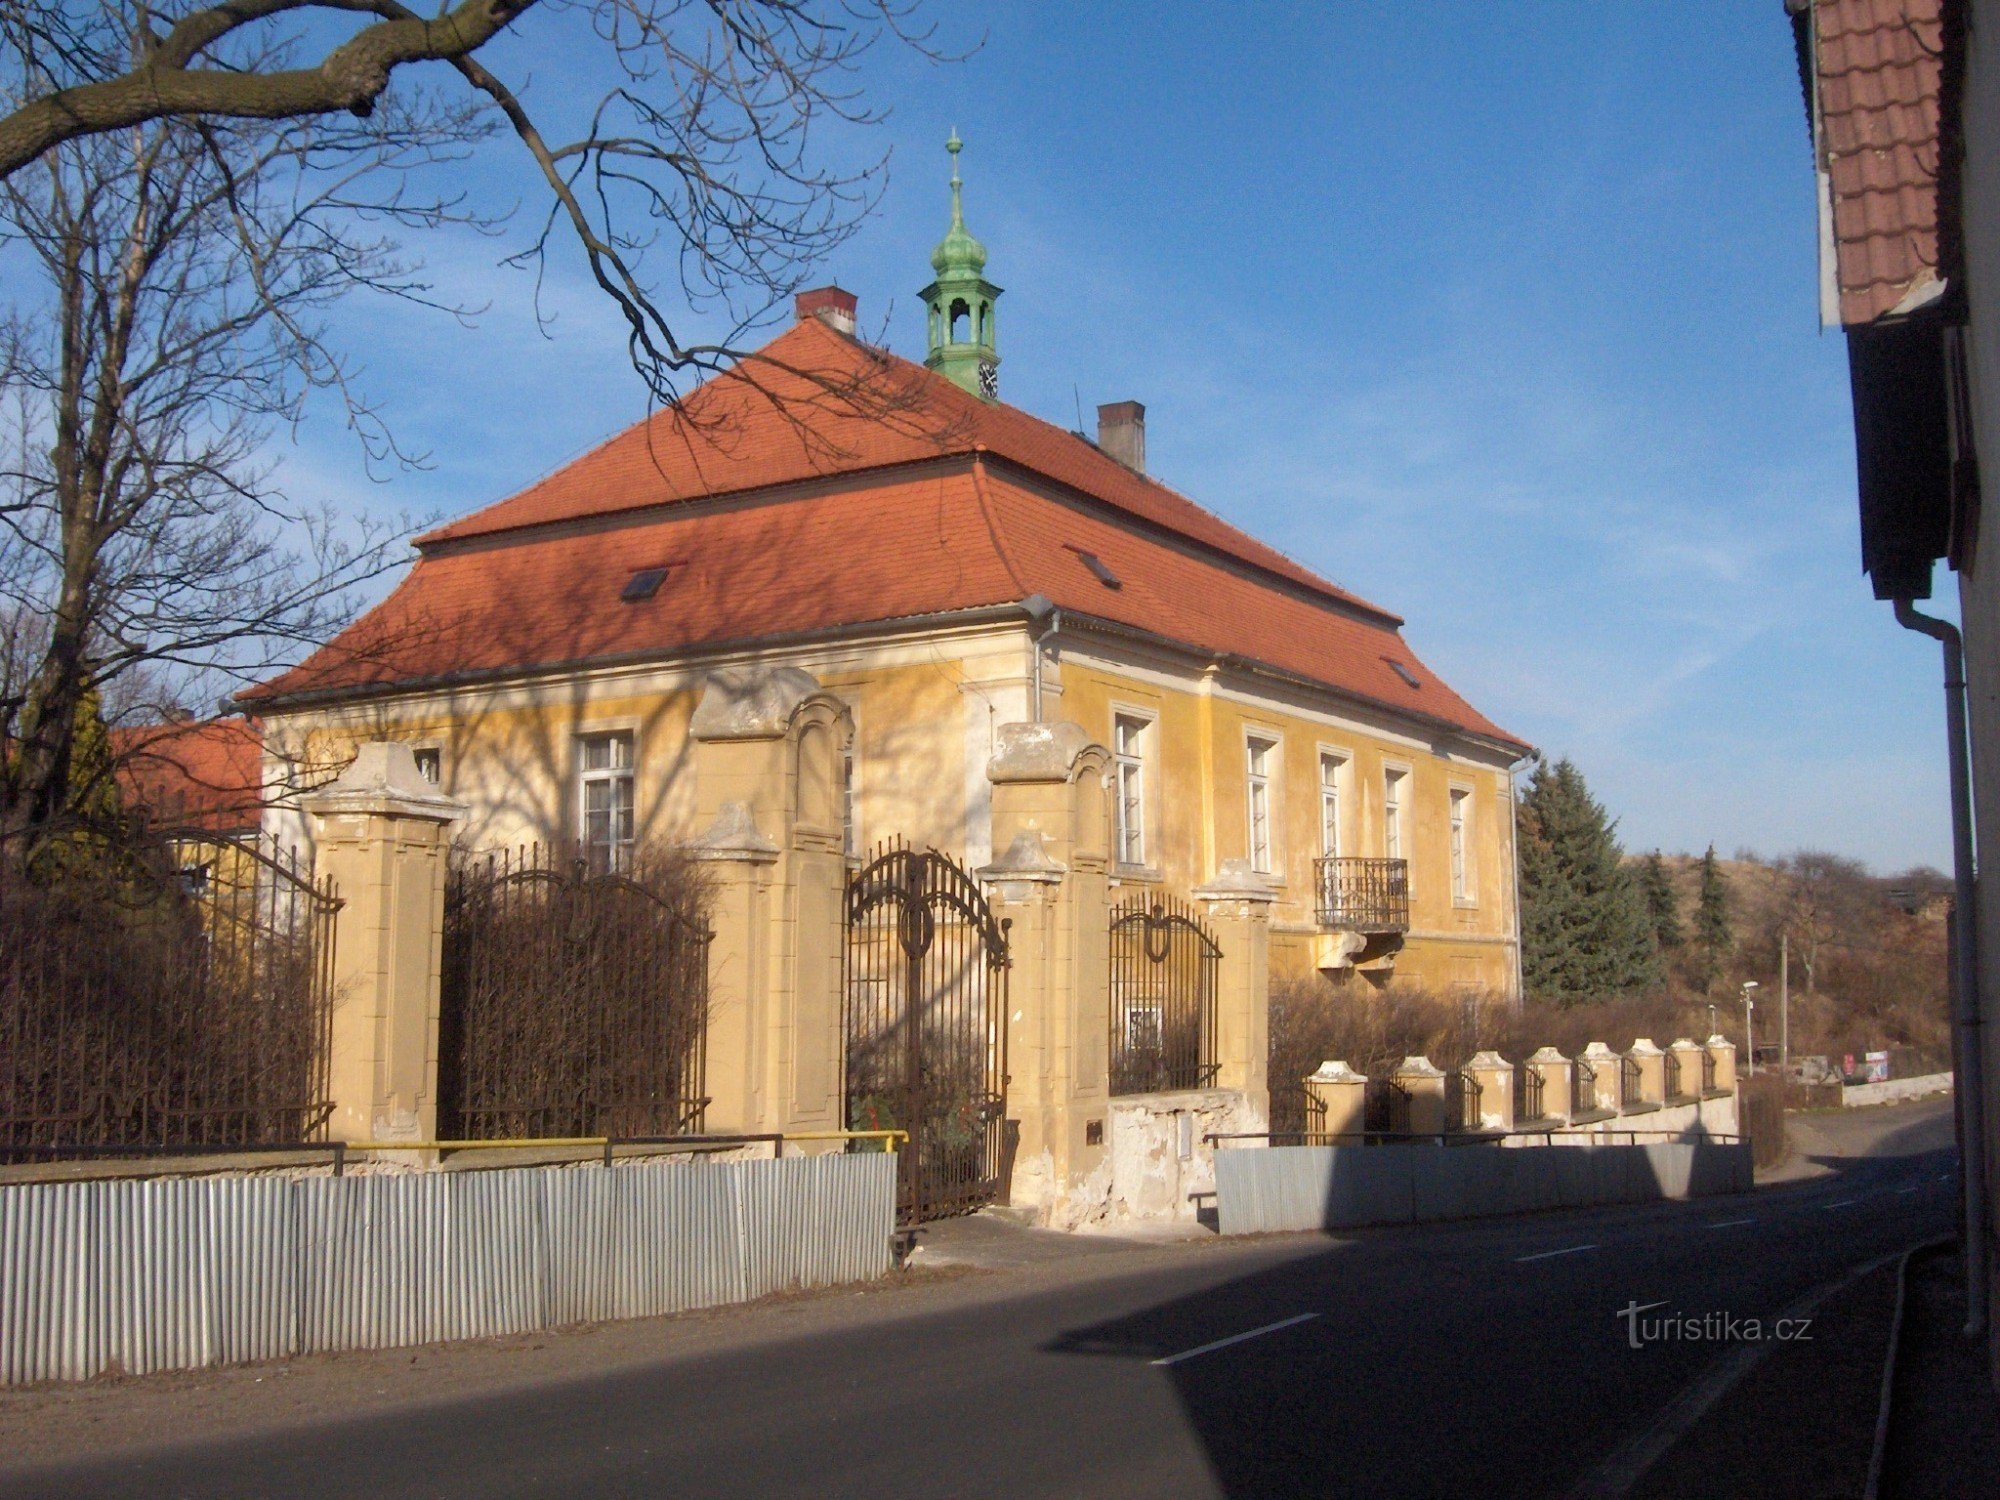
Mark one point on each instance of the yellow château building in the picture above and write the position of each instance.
(945, 564)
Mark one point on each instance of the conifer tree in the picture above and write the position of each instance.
(1713, 935)
(1584, 928)
(1663, 903)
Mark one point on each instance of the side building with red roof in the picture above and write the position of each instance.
(946, 564)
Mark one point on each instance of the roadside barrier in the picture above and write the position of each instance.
(180, 1273)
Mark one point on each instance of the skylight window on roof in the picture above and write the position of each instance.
(643, 585)
(1098, 568)
(1403, 672)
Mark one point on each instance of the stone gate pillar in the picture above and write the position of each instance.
(1342, 1096)
(1237, 905)
(767, 751)
(1051, 824)
(384, 837)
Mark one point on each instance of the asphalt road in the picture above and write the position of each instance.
(1473, 1359)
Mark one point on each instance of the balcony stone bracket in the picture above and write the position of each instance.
(1336, 951)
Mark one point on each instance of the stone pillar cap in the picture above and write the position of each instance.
(1719, 1040)
(733, 835)
(1335, 1071)
(1037, 752)
(1488, 1060)
(1419, 1067)
(1596, 1050)
(750, 703)
(1643, 1047)
(1682, 1044)
(383, 778)
(1236, 881)
(1548, 1055)
(1027, 858)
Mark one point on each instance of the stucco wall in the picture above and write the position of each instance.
(509, 753)
(1198, 813)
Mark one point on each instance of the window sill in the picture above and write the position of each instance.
(1137, 874)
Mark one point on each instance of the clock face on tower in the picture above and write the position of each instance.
(989, 379)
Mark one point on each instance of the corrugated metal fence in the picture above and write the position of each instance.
(1343, 1187)
(179, 1273)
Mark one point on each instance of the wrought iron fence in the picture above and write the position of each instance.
(1707, 1071)
(573, 1004)
(1164, 975)
(1528, 1087)
(1364, 895)
(1463, 1093)
(1675, 1088)
(1583, 1088)
(1385, 1106)
(1631, 1083)
(163, 986)
(926, 1026)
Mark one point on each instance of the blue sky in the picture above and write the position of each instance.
(1501, 316)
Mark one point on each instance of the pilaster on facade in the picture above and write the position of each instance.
(768, 748)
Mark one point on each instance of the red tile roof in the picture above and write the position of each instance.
(203, 775)
(1879, 74)
(813, 404)
(940, 504)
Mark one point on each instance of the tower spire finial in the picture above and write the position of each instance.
(954, 146)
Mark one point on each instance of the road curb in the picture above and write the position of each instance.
(1873, 1489)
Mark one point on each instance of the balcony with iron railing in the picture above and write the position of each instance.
(1364, 895)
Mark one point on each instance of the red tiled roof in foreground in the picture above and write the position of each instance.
(919, 526)
(1879, 72)
(203, 775)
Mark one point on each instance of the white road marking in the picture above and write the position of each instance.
(1544, 1255)
(1236, 1338)
(1910, 1189)
(1843, 1203)
(1728, 1223)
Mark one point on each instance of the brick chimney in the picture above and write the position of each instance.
(830, 305)
(1121, 432)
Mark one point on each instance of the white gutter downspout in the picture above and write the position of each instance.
(1965, 962)
(1039, 608)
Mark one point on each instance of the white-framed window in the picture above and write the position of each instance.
(1260, 767)
(430, 763)
(1395, 784)
(604, 799)
(1461, 867)
(1131, 736)
(1332, 772)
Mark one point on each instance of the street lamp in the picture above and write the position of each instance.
(1750, 1023)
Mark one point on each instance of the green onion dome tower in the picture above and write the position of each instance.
(959, 303)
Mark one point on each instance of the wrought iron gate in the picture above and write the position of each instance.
(1163, 987)
(572, 1003)
(926, 1026)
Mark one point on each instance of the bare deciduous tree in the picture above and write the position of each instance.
(186, 268)
(1827, 900)
(696, 144)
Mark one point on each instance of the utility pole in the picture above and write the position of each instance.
(1750, 1024)
(1785, 1004)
